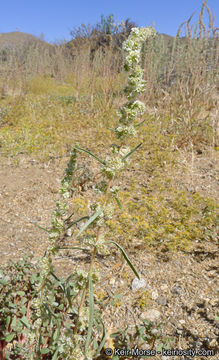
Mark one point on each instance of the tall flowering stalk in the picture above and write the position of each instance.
(120, 153)
(70, 343)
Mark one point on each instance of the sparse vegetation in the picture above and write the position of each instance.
(70, 93)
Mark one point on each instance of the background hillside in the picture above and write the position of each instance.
(55, 96)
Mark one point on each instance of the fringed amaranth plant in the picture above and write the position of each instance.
(63, 325)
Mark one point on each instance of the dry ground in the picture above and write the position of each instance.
(181, 286)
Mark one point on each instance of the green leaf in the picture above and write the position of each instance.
(111, 129)
(24, 300)
(9, 337)
(14, 322)
(118, 202)
(33, 278)
(91, 313)
(159, 347)
(56, 334)
(44, 351)
(3, 282)
(25, 322)
(139, 124)
(88, 152)
(131, 152)
(12, 305)
(23, 310)
(40, 227)
(91, 219)
(68, 295)
(103, 340)
(126, 258)
(62, 286)
(21, 293)
(73, 248)
(55, 355)
(76, 221)
(8, 320)
(49, 311)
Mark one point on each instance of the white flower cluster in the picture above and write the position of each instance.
(113, 164)
(55, 231)
(136, 84)
(80, 279)
(36, 304)
(132, 46)
(108, 211)
(45, 265)
(69, 346)
(124, 151)
(99, 221)
(123, 130)
(64, 189)
(114, 190)
(102, 247)
(130, 111)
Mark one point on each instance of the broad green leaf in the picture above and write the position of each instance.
(44, 351)
(23, 310)
(24, 300)
(14, 322)
(91, 313)
(25, 322)
(21, 293)
(88, 152)
(56, 334)
(91, 219)
(3, 282)
(126, 258)
(55, 355)
(131, 152)
(9, 337)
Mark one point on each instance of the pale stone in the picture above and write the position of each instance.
(151, 315)
(138, 284)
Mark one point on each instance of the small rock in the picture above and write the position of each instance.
(213, 343)
(112, 281)
(176, 289)
(69, 232)
(154, 295)
(161, 300)
(151, 315)
(138, 284)
(164, 287)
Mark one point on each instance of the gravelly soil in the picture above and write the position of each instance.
(182, 287)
